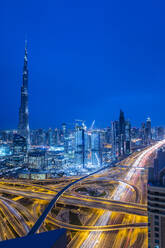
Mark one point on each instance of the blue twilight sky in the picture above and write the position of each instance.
(87, 59)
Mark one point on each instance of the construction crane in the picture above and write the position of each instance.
(93, 123)
(82, 123)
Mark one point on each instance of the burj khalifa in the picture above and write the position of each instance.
(23, 126)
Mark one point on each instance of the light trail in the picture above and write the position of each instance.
(18, 220)
(93, 237)
(17, 215)
(99, 227)
(51, 204)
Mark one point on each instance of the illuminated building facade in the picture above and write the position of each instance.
(80, 145)
(96, 146)
(19, 145)
(36, 160)
(127, 137)
(56, 137)
(108, 135)
(64, 137)
(148, 131)
(63, 131)
(121, 133)
(160, 133)
(115, 139)
(5, 150)
(95, 140)
(50, 137)
(142, 134)
(156, 201)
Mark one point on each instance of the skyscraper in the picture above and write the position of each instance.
(148, 131)
(108, 135)
(143, 133)
(115, 139)
(121, 133)
(121, 137)
(156, 201)
(96, 146)
(49, 136)
(23, 126)
(80, 145)
(127, 137)
(160, 133)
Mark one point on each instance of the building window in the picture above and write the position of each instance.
(156, 223)
(156, 241)
(156, 229)
(156, 235)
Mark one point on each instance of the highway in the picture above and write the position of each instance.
(94, 239)
(117, 218)
(98, 228)
(92, 202)
(41, 219)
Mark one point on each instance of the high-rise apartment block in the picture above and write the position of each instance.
(156, 201)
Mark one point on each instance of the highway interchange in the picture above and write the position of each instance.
(117, 218)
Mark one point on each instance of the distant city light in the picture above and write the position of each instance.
(4, 151)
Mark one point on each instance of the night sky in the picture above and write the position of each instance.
(87, 59)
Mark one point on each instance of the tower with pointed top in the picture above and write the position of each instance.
(23, 126)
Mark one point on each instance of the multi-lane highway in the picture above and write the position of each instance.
(117, 218)
(133, 176)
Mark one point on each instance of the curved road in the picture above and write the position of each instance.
(41, 219)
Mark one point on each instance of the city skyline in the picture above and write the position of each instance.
(23, 122)
(82, 130)
(83, 68)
